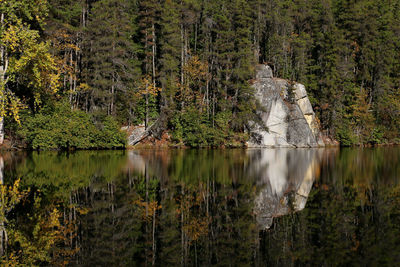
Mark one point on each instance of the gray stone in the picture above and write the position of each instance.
(137, 134)
(305, 106)
(287, 117)
(299, 91)
(264, 71)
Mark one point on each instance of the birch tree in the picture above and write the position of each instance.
(24, 59)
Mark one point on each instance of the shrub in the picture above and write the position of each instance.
(377, 135)
(345, 136)
(189, 129)
(194, 129)
(60, 127)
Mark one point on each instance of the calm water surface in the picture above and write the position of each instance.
(256, 207)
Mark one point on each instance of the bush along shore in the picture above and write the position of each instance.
(60, 128)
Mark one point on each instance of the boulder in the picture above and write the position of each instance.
(137, 134)
(286, 118)
(264, 72)
(156, 130)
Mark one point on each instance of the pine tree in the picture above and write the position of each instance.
(243, 102)
(170, 54)
(65, 26)
(111, 54)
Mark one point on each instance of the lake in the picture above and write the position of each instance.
(255, 207)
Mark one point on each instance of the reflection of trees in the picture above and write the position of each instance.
(207, 203)
(56, 180)
(351, 218)
(189, 223)
(37, 237)
(62, 173)
(10, 196)
(200, 214)
(196, 208)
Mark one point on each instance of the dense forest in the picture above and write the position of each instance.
(83, 68)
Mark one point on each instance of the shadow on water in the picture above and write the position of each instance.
(222, 207)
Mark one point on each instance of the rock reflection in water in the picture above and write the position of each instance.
(283, 177)
(286, 178)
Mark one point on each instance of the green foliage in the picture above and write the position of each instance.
(112, 56)
(345, 136)
(24, 59)
(377, 136)
(199, 57)
(140, 109)
(189, 129)
(62, 128)
(193, 129)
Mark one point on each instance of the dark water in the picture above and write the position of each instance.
(268, 207)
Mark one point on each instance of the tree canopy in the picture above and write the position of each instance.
(191, 62)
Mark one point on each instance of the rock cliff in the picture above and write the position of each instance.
(286, 118)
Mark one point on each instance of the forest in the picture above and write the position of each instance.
(72, 72)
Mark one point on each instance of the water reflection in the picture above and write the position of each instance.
(216, 207)
(285, 180)
(283, 177)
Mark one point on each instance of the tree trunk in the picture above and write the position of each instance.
(71, 94)
(1, 130)
(182, 237)
(195, 37)
(3, 239)
(154, 239)
(3, 70)
(182, 55)
(146, 122)
(147, 210)
(112, 97)
(154, 54)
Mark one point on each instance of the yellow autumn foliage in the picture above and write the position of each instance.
(147, 209)
(25, 56)
(146, 87)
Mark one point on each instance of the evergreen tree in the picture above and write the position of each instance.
(111, 54)
(135, 60)
(170, 54)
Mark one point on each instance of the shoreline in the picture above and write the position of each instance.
(183, 147)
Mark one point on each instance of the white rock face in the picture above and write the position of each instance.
(287, 118)
(300, 91)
